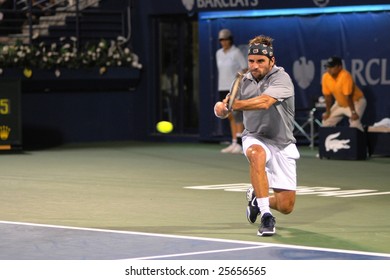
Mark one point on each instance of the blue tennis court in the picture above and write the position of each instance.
(26, 241)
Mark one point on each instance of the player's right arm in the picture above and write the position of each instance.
(220, 109)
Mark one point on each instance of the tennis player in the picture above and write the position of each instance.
(266, 98)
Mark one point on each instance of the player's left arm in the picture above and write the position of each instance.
(261, 102)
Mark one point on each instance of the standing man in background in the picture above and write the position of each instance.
(349, 101)
(230, 60)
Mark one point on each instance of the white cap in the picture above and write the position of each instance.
(224, 34)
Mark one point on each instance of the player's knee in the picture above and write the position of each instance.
(256, 153)
(286, 208)
(284, 205)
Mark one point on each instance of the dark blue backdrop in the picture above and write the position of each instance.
(302, 45)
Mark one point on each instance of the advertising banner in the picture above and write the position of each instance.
(224, 5)
(302, 46)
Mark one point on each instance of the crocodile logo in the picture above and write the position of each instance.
(333, 144)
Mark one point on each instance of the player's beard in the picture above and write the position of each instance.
(260, 73)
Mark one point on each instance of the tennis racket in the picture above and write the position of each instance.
(235, 88)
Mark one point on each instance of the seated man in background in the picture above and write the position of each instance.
(343, 98)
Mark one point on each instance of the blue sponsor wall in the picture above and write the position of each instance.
(302, 45)
(305, 41)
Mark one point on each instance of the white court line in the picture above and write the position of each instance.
(266, 245)
(199, 253)
(364, 194)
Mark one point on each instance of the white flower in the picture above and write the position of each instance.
(135, 57)
(135, 64)
(110, 53)
(121, 39)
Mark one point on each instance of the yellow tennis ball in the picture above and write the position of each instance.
(164, 127)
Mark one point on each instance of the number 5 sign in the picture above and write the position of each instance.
(10, 115)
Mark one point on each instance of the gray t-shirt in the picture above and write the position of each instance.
(275, 125)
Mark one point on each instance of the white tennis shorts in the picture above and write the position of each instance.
(280, 164)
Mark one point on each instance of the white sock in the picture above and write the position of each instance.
(263, 204)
